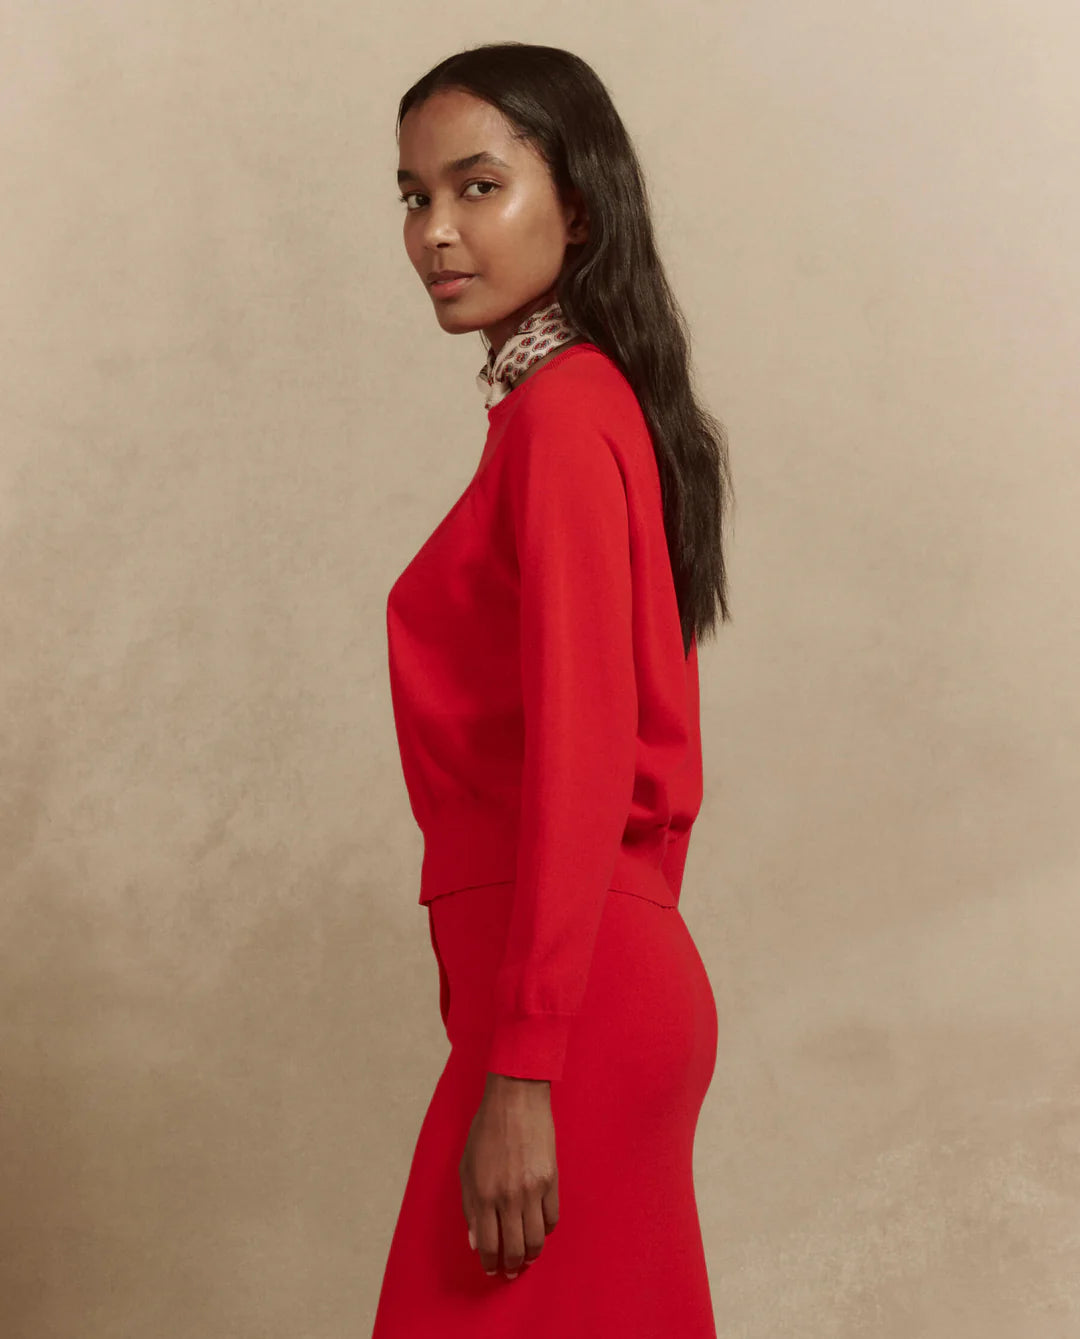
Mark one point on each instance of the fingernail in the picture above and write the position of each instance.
(491, 1272)
(511, 1276)
(472, 1240)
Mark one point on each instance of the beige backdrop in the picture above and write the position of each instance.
(229, 418)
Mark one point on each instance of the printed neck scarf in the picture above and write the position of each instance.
(535, 337)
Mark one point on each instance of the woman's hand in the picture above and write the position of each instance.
(509, 1178)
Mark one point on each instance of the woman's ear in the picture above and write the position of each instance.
(577, 219)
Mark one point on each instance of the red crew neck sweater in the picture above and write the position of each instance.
(546, 717)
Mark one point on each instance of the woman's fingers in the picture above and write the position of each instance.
(513, 1236)
(509, 1236)
(535, 1229)
(487, 1236)
(549, 1206)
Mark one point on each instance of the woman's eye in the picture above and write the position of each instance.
(409, 194)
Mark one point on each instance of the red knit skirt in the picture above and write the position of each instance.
(626, 1258)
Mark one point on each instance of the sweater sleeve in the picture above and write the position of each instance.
(571, 534)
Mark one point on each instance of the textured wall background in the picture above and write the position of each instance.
(229, 418)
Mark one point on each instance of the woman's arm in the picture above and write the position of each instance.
(571, 530)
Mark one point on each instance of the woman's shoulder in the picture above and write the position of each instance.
(587, 390)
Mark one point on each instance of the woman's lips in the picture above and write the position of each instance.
(451, 287)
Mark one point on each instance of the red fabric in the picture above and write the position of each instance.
(547, 718)
(626, 1258)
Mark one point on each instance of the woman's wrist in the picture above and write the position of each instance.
(514, 1083)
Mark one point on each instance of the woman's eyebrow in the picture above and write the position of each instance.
(459, 165)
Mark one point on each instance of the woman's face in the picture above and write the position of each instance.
(502, 222)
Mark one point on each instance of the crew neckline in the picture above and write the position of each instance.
(559, 357)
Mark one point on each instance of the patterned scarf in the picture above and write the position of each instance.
(535, 337)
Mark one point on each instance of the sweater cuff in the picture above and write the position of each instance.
(530, 1047)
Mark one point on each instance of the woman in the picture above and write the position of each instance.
(543, 669)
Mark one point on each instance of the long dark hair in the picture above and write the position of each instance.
(614, 291)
